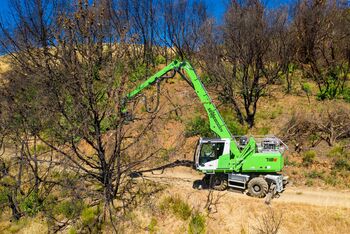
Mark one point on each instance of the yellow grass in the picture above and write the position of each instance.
(4, 66)
(239, 214)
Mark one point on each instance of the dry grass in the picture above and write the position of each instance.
(4, 66)
(239, 214)
(235, 214)
(303, 210)
(24, 226)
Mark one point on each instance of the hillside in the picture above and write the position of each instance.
(317, 194)
(316, 197)
(178, 208)
(180, 106)
(100, 120)
(301, 209)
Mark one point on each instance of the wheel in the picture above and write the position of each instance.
(219, 182)
(198, 184)
(258, 187)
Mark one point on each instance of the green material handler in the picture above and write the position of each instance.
(251, 165)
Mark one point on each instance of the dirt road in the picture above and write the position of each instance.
(183, 177)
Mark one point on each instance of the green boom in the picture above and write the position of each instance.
(245, 160)
(217, 124)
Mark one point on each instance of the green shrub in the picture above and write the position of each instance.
(130, 216)
(342, 164)
(159, 59)
(198, 126)
(4, 191)
(331, 180)
(165, 204)
(69, 178)
(197, 224)
(178, 207)
(72, 230)
(31, 205)
(275, 113)
(340, 157)
(346, 94)
(40, 149)
(139, 73)
(70, 209)
(89, 215)
(152, 227)
(315, 174)
(8, 181)
(331, 89)
(306, 87)
(49, 206)
(201, 126)
(264, 130)
(233, 125)
(314, 138)
(309, 157)
(90, 220)
(309, 182)
(108, 123)
(181, 209)
(206, 79)
(18, 225)
(337, 151)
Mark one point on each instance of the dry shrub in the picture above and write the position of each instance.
(268, 223)
(298, 127)
(329, 123)
(333, 122)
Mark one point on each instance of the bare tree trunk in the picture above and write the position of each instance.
(16, 214)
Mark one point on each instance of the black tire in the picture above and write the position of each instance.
(219, 182)
(258, 187)
(197, 184)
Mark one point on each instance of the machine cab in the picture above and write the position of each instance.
(208, 152)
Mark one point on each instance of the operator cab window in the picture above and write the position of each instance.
(210, 152)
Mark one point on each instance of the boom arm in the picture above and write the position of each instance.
(217, 123)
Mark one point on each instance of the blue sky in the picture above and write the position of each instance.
(217, 7)
(4, 6)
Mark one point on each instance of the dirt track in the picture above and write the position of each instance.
(183, 177)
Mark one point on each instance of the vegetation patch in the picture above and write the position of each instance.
(314, 174)
(152, 227)
(198, 126)
(233, 125)
(338, 151)
(31, 204)
(331, 180)
(177, 206)
(309, 182)
(70, 209)
(197, 224)
(346, 94)
(342, 164)
(309, 157)
(264, 130)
